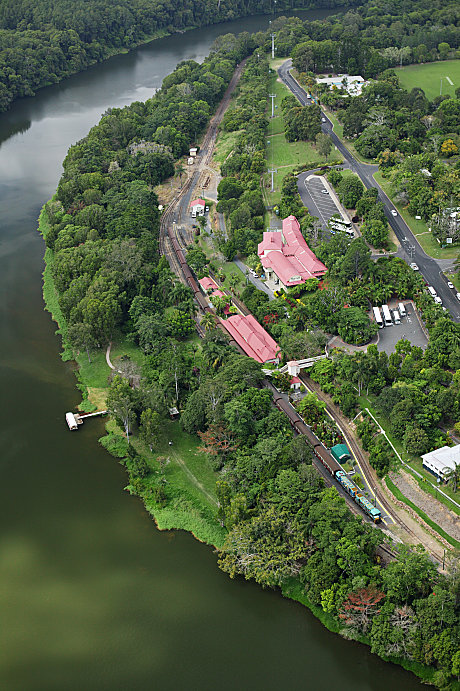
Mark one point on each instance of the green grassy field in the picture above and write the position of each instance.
(428, 77)
(285, 156)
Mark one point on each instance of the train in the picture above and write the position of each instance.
(327, 460)
(320, 451)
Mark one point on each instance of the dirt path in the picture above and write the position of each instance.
(433, 508)
(192, 477)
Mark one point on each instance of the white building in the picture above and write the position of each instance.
(441, 460)
(197, 207)
(353, 85)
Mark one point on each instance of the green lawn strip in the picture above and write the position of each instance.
(399, 495)
(428, 77)
(225, 145)
(418, 227)
(414, 462)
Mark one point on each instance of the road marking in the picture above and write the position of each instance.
(450, 81)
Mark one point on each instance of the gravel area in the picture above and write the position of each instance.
(440, 514)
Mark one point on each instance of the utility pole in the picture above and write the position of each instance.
(273, 45)
(272, 171)
(273, 96)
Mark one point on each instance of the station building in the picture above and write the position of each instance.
(287, 259)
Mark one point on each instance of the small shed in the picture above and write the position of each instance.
(174, 413)
(198, 206)
(341, 453)
(193, 151)
(71, 421)
(295, 383)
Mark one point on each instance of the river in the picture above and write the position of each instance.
(92, 595)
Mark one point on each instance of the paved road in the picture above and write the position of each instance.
(252, 279)
(412, 251)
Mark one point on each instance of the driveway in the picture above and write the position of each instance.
(255, 281)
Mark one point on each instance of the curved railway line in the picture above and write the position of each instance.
(171, 247)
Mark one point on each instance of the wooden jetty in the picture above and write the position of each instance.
(75, 419)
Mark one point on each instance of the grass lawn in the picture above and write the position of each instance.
(225, 144)
(190, 486)
(428, 77)
(419, 228)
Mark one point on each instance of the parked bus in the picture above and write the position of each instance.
(402, 309)
(387, 316)
(378, 317)
(341, 221)
(337, 227)
(396, 317)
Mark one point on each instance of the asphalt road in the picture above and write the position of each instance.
(412, 251)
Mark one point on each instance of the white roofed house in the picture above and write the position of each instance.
(197, 206)
(441, 461)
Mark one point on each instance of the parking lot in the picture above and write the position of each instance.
(409, 328)
(321, 204)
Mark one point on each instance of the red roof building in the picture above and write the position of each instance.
(286, 257)
(252, 338)
(198, 204)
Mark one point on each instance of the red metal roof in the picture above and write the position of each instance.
(251, 337)
(288, 255)
(195, 202)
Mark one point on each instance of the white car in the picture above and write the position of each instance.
(323, 191)
(413, 266)
(450, 285)
(394, 212)
(207, 208)
(437, 300)
(458, 296)
(323, 119)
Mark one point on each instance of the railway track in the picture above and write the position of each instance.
(368, 471)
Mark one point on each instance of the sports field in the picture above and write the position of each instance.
(428, 77)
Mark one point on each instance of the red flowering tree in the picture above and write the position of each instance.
(217, 441)
(360, 607)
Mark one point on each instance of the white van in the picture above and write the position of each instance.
(402, 309)
(432, 291)
(396, 318)
(193, 214)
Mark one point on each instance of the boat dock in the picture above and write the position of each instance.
(75, 419)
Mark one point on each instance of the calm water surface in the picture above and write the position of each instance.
(92, 596)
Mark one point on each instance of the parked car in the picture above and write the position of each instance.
(324, 191)
(413, 266)
(437, 300)
(394, 212)
(323, 119)
(207, 208)
(457, 296)
(450, 285)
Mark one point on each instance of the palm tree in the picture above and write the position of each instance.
(180, 170)
(452, 476)
(208, 321)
